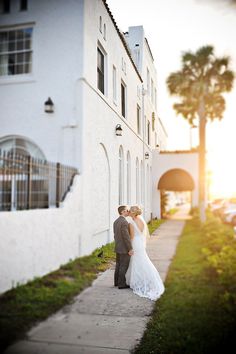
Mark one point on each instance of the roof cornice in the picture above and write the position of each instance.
(122, 38)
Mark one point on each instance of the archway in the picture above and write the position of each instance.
(180, 163)
(174, 180)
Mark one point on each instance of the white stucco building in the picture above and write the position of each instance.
(98, 79)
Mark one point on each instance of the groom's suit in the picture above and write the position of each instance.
(122, 247)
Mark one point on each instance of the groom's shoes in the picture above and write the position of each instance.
(124, 287)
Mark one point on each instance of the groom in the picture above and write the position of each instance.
(123, 247)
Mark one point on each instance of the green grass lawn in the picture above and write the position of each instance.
(197, 313)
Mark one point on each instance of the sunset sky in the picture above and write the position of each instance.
(171, 28)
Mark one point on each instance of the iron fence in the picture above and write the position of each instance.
(29, 183)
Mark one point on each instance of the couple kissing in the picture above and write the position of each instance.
(134, 268)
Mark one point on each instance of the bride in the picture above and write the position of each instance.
(142, 276)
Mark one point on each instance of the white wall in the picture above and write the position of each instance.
(168, 161)
(143, 58)
(36, 242)
(100, 155)
(115, 55)
(100, 168)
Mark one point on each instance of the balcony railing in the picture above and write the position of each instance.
(29, 183)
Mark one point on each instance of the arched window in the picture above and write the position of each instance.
(21, 146)
(104, 32)
(142, 182)
(150, 185)
(25, 186)
(137, 181)
(121, 175)
(128, 171)
(147, 187)
(100, 24)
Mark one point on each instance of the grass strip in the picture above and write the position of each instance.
(195, 315)
(25, 305)
(154, 224)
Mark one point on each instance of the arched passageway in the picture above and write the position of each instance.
(174, 180)
(175, 172)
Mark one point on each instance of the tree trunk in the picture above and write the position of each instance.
(202, 164)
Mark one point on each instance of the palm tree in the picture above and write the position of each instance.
(199, 85)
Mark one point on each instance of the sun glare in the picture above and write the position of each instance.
(221, 176)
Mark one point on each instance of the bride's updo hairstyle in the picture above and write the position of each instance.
(136, 210)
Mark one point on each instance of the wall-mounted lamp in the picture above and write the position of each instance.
(119, 130)
(49, 106)
(146, 155)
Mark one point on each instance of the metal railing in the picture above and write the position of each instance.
(29, 183)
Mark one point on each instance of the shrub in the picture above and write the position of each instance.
(220, 252)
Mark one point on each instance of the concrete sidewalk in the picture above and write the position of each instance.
(103, 319)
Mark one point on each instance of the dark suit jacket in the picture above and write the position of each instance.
(121, 235)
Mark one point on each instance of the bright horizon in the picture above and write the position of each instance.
(171, 28)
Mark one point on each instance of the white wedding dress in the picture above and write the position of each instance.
(142, 276)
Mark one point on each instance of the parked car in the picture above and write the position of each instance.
(229, 216)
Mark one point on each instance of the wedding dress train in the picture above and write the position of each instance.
(142, 276)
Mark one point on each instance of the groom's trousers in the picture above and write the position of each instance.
(122, 264)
